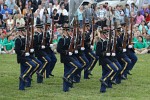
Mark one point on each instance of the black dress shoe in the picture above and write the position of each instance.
(86, 78)
(51, 75)
(23, 79)
(113, 82)
(89, 72)
(129, 73)
(102, 91)
(123, 77)
(67, 80)
(103, 82)
(39, 74)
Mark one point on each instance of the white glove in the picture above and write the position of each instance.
(76, 51)
(113, 54)
(82, 48)
(43, 47)
(27, 54)
(51, 45)
(124, 50)
(107, 54)
(31, 50)
(130, 46)
(70, 53)
(92, 47)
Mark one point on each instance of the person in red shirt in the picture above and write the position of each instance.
(147, 17)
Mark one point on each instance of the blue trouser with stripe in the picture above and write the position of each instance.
(25, 68)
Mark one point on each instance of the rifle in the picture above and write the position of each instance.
(27, 49)
(52, 31)
(76, 35)
(115, 40)
(71, 46)
(44, 35)
(130, 39)
(93, 30)
(125, 39)
(83, 35)
(109, 41)
(32, 34)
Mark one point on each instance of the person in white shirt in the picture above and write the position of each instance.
(20, 20)
(50, 9)
(56, 5)
(63, 14)
(40, 11)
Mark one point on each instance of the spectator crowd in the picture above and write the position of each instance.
(13, 14)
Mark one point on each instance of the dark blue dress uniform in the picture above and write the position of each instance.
(90, 55)
(131, 54)
(82, 59)
(41, 55)
(70, 64)
(122, 58)
(51, 55)
(108, 68)
(26, 63)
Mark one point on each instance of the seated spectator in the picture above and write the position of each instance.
(1, 41)
(147, 17)
(8, 44)
(11, 4)
(16, 10)
(143, 26)
(140, 46)
(144, 10)
(10, 22)
(20, 20)
(139, 18)
(6, 9)
(5, 18)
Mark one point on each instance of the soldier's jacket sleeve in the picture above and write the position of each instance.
(60, 48)
(99, 50)
(18, 47)
(36, 43)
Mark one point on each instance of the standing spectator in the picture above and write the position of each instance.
(25, 10)
(37, 2)
(50, 9)
(101, 16)
(36, 19)
(117, 14)
(6, 9)
(10, 22)
(1, 4)
(20, 20)
(55, 15)
(139, 18)
(80, 15)
(127, 13)
(63, 14)
(30, 5)
(110, 16)
(46, 15)
(56, 5)
(40, 11)
(134, 8)
(66, 4)
(88, 13)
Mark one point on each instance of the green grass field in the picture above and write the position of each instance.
(137, 87)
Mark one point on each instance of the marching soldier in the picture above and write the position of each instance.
(121, 54)
(23, 58)
(39, 47)
(108, 68)
(70, 64)
(89, 52)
